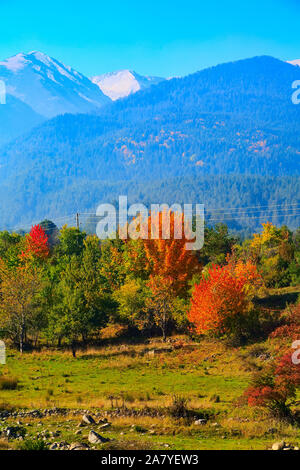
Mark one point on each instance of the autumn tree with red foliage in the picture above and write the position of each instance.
(223, 297)
(290, 329)
(276, 388)
(36, 244)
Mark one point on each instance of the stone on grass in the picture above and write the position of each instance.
(278, 445)
(88, 419)
(105, 425)
(95, 438)
(78, 446)
(200, 422)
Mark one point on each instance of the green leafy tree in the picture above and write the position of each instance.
(11, 247)
(218, 243)
(71, 241)
(20, 307)
(131, 298)
(83, 299)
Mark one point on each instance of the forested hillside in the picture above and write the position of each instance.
(233, 119)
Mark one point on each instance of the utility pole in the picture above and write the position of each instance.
(77, 220)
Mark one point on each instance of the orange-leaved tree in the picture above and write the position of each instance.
(168, 258)
(36, 244)
(223, 297)
(159, 256)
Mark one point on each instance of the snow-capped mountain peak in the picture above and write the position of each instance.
(15, 63)
(294, 62)
(48, 86)
(123, 83)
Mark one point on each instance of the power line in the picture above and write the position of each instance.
(236, 213)
(268, 207)
(94, 216)
(255, 217)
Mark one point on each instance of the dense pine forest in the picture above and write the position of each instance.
(210, 128)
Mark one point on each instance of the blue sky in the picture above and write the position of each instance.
(167, 38)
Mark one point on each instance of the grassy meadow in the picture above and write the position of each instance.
(209, 375)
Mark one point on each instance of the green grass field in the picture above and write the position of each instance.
(134, 390)
(210, 375)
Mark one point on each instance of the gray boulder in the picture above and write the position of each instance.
(95, 438)
(88, 419)
(278, 445)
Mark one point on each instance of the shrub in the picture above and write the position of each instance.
(290, 328)
(4, 444)
(139, 429)
(276, 387)
(215, 398)
(8, 383)
(4, 406)
(178, 408)
(32, 444)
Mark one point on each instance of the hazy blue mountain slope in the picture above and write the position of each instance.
(233, 119)
(39, 87)
(276, 199)
(16, 118)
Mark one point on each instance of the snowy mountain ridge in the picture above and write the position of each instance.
(48, 86)
(123, 83)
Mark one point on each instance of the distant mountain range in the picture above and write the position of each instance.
(294, 62)
(38, 88)
(123, 83)
(233, 121)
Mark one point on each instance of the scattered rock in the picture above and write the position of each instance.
(14, 432)
(95, 438)
(154, 352)
(278, 445)
(78, 446)
(200, 422)
(88, 419)
(102, 421)
(105, 425)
